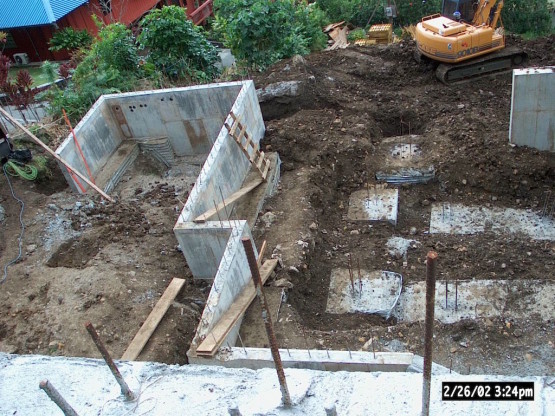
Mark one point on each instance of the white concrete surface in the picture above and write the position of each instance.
(199, 390)
(374, 204)
(322, 360)
(533, 108)
(461, 219)
(473, 298)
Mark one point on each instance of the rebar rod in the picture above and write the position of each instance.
(431, 261)
(125, 390)
(253, 265)
(57, 398)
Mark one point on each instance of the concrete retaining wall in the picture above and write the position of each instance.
(191, 117)
(533, 108)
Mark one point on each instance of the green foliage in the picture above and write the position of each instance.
(359, 12)
(70, 39)
(49, 71)
(177, 47)
(356, 35)
(109, 66)
(115, 48)
(527, 16)
(264, 31)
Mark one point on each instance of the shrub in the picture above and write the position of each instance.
(527, 16)
(264, 31)
(70, 39)
(109, 66)
(177, 47)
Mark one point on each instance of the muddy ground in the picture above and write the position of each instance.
(84, 260)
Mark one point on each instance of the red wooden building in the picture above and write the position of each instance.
(30, 24)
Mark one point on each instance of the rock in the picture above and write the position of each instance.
(413, 230)
(313, 226)
(53, 207)
(425, 203)
(283, 282)
(31, 248)
(268, 219)
(528, 357)
(2, 214)
(460, 106)
(453, 350)
(279, 89)
(293, 269)
(464, 182)
(354, 232)
(463, 344)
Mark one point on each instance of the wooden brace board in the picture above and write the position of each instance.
(230, 200)
(223, 327)
(151, 323)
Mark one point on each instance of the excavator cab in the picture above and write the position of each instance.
(459, 10)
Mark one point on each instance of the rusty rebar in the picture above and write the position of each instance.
(431, 261)
(351, 276)
(456, 295)
(446, 291)
(359, 277)
(125, 390)
(57, 398)
(253, 265)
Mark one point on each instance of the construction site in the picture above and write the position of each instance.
(341, 170)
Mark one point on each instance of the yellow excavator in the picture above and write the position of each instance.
(468, 40)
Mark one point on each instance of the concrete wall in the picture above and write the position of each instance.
(322, 360)
(98, 136)
(222, 174)
(533, 108)
(232, 275)
(191, 117)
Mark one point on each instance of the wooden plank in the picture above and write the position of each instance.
(260, 161)
(261, 253)
(151, 323)
(229, 200)
(221, 330)
(266, 169)
(239, 137)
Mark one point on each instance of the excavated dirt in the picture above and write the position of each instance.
(84, 260)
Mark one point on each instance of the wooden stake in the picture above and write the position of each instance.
(53, 154)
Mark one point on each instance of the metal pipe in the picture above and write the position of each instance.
(125, 390)
(431, 261)
(57, 398)
(253, 265)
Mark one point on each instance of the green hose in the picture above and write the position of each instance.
(28, 172)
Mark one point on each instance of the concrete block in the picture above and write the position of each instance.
(533, 108)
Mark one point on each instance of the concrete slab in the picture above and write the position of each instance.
(470, 299)
(374, 204)
(533, 108)
(461, 219)
(374, 293)
(90, 388)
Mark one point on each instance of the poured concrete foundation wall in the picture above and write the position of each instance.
(223, 173)
(533, 108)
(257, 358)
(191, 117)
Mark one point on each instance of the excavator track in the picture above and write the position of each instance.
(497, 62)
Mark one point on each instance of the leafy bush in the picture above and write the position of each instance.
(109, 66)
(70, 39)
(264, 31)
(356, 35)
(177, 47)
(363, 12)
(527, 16)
